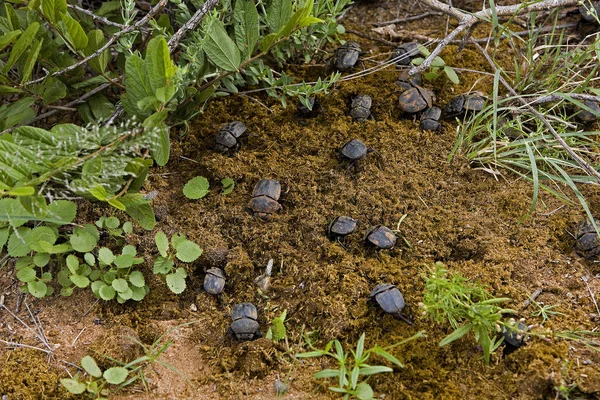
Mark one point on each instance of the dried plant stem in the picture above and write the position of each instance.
(105, 21)
(192, 23)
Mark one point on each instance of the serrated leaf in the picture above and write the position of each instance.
(162, 265)
(124, 261)
(364, 391)
(74, 32)
(53, 9)
(26, 274)
(196, 188)
(18, 245)
(73, 386)
(21, 45)
(96, 40)
(228, 185)
(138, 208)
(3, 237)
(72, 263)
(246, 26)
(37, 289)
(90, 366)
(106, 256)
(106, 292)
(127, 227)
(63, 211)
(138, 293)
(176, 283)
(278, 14)
(41, 259)
(158, 65)
(89, 259)
(220, 49)
(120, 285)
(137, 85)
(162, 243)
(158, 133)
(188, 251)
(83, 241)
(137, 279)
(115, 375)
(81, 281)
(38, 234)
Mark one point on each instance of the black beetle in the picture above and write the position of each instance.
(304, 112)
(416, 99)
(515, 333)
(390, 300)
(404, 53)
(587, 116)
(381, 237)
(341, 227)
(430, 119)
(354, 150)
(264, 198)
(588, 241)
(346, 56)
(463, 103)
(406, 81)
(229, 136)
(244, 325)
(214, 281)
(590, 12)
(360, 108)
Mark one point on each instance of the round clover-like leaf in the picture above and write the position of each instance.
(107, 292)
(112, 222)
(176, 282)
(66, 291)
(126, 294)
(162, 265)
(124, 261)
(41, 259)
(90, 366)
(162, 243)
(38, 234)
(89, 259)
(196, 188)
(120, 285)
(83, 241)
(106, 256)
(37, 289)
(137, 279)
(81, 281)
(26, 274)
(138, 293)
(73, 386)
(129, 250)
(72, 263)
(188, 251)
(115, 375)
(127, 227)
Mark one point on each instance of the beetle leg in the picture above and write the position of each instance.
(341, 244)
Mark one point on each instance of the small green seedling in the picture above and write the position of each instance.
(544, 310)
(228, 185)
(181, 249)
(352, 368)
(196, 188)
(277, 330)
(437, 66)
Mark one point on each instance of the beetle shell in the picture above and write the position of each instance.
(214, 281)
(354, 150)
(341, 226)
(416, 99)
(516, 336)
(388, 297)
(227, 139)
(405, 53)
(587, 116)
(465, 102)
(304, 112)
(346, 56)
(381, 237)
(244, 310)
(245, 329)
(267, 187)
(360, 109)
(587, 10)
(588, 241)
(430, 119)
(264, 206)
(406, 81)
(474, 102)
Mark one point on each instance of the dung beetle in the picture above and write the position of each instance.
(381, 237)
(341, 227)
(406, 81)
(304, 112)
(590, 12)
(390, 300)
(214, 281)
(354, 150)
(244, 325)
(229, 136)
(416, 99)
(464, 103)
(587, 116)
(588, 241)
(346, 56)
(264, 198)
(430, 119)
(404, 53)
(515, 334)
(360, 108)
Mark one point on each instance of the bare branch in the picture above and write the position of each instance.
(192, 23)
(110, 42)
(105, 21)
(407, 19)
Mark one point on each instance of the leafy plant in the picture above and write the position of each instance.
(466, 306)
(545, 311)
(438, 65)
(277, 330)
(196, 188)
(228, 185)
(179, 248)
(352, 368)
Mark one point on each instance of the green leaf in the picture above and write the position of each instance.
(457, 334)
(196, 188)
(188, 251)
(21, 46)
(30, 61)
(120, 285)
(162, 265)
(157, 132)
(138, 208)
(63, 211)
(89, 259)
(8, 38)
(372, 370)
(162, 243)
(360, 346)
(124, 261)
(116, 204)
(41, 259)
(278, 14)
(326, 373)
(26, 274)
(115, 375)
(52, 9)
(72, 263)
(38, 234)
(21, 191)
(73, 385)
(81, 281)
(107, 292)
(91, 367)
(3, 237)
(158, 65)
(228, 185)
(137, 86)
(278, 328)
(66, 291)
(98, 192)
(82, 240)
(266, 43)
(74, 32)
(137, 279)
(382, 353)
(18, 246)
(220, 49)
(176, 283)
(451, 74)
(364, 391)
(96, 40)
(127, 227)
(138, 293)
(246, 26)
(37, 289)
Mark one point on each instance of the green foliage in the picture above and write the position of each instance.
(468, 307)
(545, 311)
(350, 369)
(277, 330)
(438, 65)
(196, 188)
(179, 249)
(228, 185)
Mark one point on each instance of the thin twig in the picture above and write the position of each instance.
(105, 21)
(591, 295)
(467, 20)
(28, 327)
(555, 97)
(531, 298)
(109, 43)
(191, 24)
(407, 19)
(582, 163)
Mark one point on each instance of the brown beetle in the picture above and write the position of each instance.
(264, 198)
(416, 99)
(381, 237)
